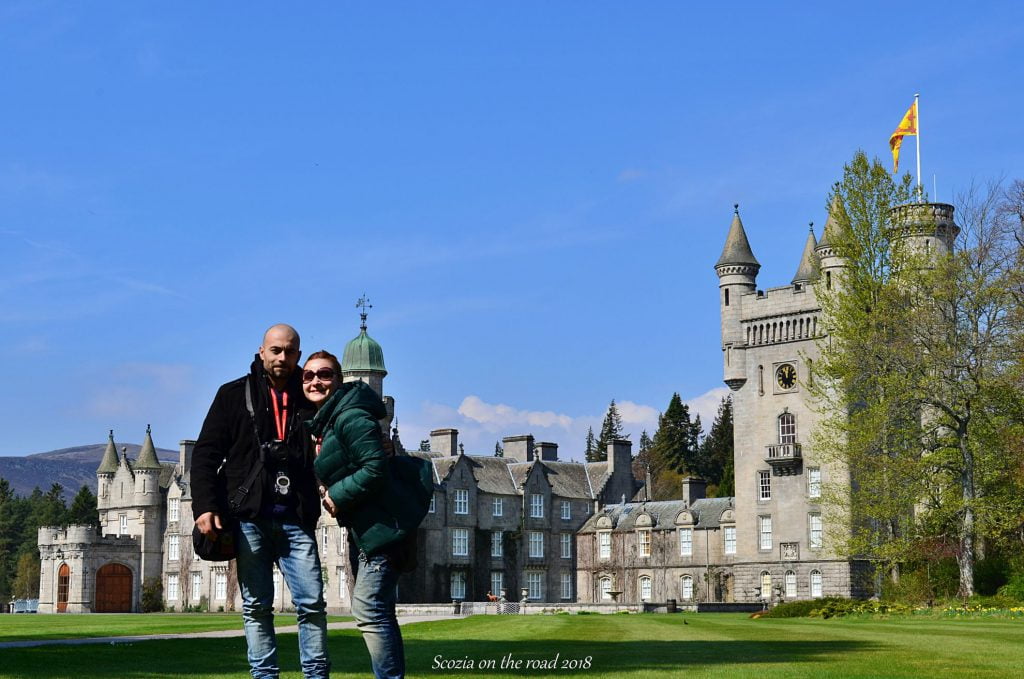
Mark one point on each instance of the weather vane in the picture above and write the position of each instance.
(363, 304)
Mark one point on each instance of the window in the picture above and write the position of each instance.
(765, 532)
(536, 544)
(496, 546)
(643, 543)
(730, 539)
(533, 586)
(536, 506)
(497, 507)
(604, 545)
(220, 586)
(172, 587)
(458, 585)
(197, 586)
(766, 585)
(645, 588)
(174, 548)
(460, 542)
(605, 585)
(566, 542)
(764, 486)
(787, 428)
(685, 542)
(790, 585)
(815, 584)
(815, 525)
(566, 585)
(342, 584)
(277, 584)
(461, 501)
(686, 588)
(174, 509)
(814, 482)
(433, 504)
(323, 538)
(566, 510)
(497, 583)
(122, 524)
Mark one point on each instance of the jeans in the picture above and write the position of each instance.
(262, 542)
(373, 606)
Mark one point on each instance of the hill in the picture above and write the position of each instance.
(70, 467)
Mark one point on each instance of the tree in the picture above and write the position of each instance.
(83, 510)
(676, 441)
(912, 378)
(425, 446)
(716, 450)
(590, 451)
(611, 430)
(26, 582)
(498, 450)
(645, 444)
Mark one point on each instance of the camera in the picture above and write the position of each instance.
(275, 455)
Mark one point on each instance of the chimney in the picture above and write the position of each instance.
(619, 456)
(546, 451)
(185, 447)
(694, 489)
(445, 441)
(518, 448)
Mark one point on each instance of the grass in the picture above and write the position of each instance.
(37, 627)
(630, 646)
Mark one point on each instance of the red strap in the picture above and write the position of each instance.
(280, 415)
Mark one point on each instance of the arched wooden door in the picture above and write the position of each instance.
(113, 589)
(63, 584)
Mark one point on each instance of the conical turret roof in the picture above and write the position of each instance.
(108, 465)
(832, 226)
(737, 247)
(147, 456)
(809, 263)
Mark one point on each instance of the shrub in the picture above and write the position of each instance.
(152, 595)
(990, 574)
(799, 609)
(1014, 587)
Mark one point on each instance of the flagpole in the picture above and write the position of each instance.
(917, 115)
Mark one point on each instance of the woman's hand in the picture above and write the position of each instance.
(325, 499)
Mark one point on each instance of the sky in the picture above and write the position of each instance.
(532, 195)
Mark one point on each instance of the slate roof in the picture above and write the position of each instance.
(568, 479)
(707, 511)
(737, 247)
(597, 473)
(491, 474)
(809, 263)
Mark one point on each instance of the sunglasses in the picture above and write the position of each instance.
(324, 374)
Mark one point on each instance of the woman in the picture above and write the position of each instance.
(353, 469)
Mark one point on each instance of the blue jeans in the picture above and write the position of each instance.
(261, 543)
(373, 606)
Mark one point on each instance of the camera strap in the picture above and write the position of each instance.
(238, 497)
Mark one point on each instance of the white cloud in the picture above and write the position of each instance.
(706, 405)
(497, 417)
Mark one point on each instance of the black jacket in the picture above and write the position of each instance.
(227, 437)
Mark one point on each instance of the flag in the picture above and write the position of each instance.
(906, 128)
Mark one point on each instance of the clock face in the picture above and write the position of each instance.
(786, 376)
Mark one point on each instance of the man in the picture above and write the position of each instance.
(254, 429)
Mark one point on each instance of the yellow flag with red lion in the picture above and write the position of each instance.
(906, 128)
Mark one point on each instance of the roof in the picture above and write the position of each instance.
(491, 474)
(707, 514)
(809, 263)
(363, 353)
(597, 474)
(108, 465)
(831, 232)
(568, 479)
(147, 454)
(737, 247)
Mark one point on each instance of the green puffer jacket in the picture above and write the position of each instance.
(380, 500)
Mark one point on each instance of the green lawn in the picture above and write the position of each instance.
(32, 627)
(655, 646)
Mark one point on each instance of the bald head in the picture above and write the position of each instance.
(280, 353)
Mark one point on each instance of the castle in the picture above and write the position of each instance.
(528, 523)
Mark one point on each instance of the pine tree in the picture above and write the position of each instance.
(83, 510)
(591, 446)
(498, 450)
(676, 443)
(716, 449)
(611, 430)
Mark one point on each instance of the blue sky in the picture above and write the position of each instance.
(533, 195)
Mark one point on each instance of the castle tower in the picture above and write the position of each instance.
(737, 276)
(830, 264)
(149, 505)
(105, 473)
(364, 360)
(925, 228)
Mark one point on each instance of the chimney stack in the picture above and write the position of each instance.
(444, 441)
(519, 448)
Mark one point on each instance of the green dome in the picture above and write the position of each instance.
(363, 353)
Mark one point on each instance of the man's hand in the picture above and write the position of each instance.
(209, 524)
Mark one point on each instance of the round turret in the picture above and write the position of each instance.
(363, 358)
